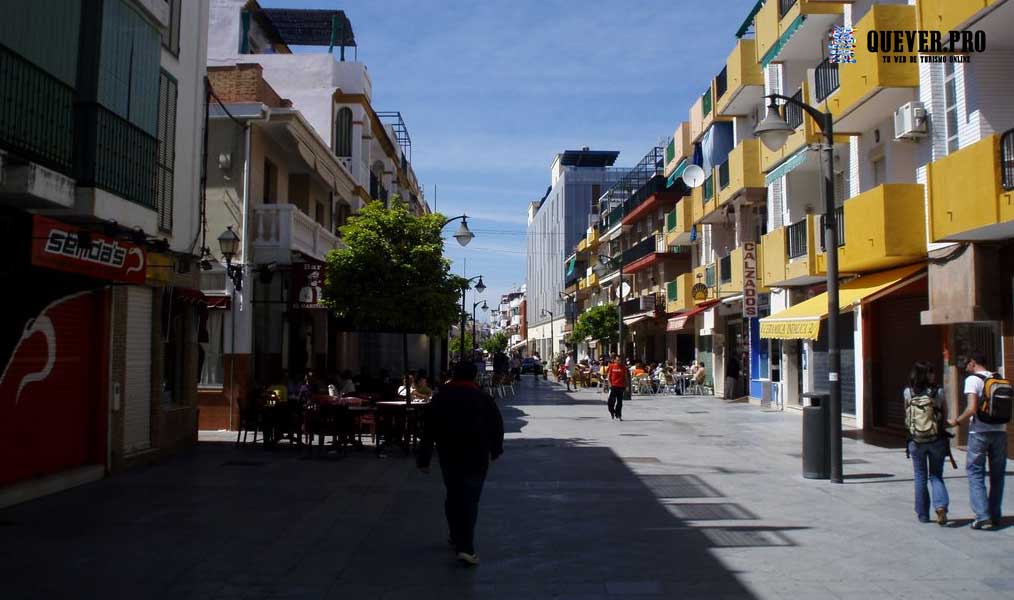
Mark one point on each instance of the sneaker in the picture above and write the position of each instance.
(941, 516)
(468, 559)
(984, 524)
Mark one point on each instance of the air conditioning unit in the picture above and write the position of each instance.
(910, 121)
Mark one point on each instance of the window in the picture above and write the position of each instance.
(270, 182)
(343, 132)
(166, 134)
(128, 70)
(171, 36)
(212, 371)
(951, 107)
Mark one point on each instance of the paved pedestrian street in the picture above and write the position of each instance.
(686, 498)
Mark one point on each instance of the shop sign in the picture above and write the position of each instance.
(699, 292)
(57, 245)
(307, 284)
(751, 302)
(807, 329)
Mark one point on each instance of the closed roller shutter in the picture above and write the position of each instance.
(846, 335)
(137, 386)
(900, 340)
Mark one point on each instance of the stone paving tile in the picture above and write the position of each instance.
(689, 498)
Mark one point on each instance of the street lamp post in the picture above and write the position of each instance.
(773, 132)
(479, 287)
(463, 234)
(568, 298)
(484, 307)
(552, 338)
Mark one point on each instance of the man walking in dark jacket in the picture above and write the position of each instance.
(467, 428)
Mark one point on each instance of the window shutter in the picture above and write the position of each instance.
(776, 203)
(166, 132)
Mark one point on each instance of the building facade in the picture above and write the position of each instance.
(102, 107)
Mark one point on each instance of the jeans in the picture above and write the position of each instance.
(991, 445)
(461, 507)
(928, 460)
(616, 401)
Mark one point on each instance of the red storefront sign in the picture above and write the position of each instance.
(57, 245)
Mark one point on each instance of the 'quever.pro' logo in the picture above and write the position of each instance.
(841, 46)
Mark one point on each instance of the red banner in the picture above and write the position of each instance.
(57, 245)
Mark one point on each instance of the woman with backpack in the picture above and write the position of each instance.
(928, 443)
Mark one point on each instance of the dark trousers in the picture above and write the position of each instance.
(464, 487)
(616, 401)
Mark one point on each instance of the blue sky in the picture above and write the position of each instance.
(491, 91)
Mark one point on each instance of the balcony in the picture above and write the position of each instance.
(730, 274)
(640, 304)
(640, 250)
(744, 82)
(971, 192)
(703, 198)
(878, 229)
(678, 223)
(679, 148)
(948, 15)
(115, 155)
(677, 294)
(741, 172)
(36, 114)
(280, 229)
(696, 120)
(790, 30)
(806, 132)
(872, 89)
(790, 255)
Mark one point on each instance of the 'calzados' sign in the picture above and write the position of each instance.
(750, 299)
(56, 245)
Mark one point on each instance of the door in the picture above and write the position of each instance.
(900, 340)
(137, 380)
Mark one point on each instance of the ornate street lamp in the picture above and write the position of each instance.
(228, 243)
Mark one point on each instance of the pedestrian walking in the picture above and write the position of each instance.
(569, 371)
(617, 375)
(987, 441)
(467, 428)
(928, 442)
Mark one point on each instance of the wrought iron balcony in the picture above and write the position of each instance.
(784, 6)
(794, 114)
(1007, 160)
(796, 239)
(839, 227)
(36, 113)
(826, 79)
(115, 155)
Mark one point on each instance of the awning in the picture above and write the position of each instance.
(223, 302)
(783, 169)
(631, 320)
(802, 321)
(676, 174)
(520, 344)
(680, 321)
(770, 55)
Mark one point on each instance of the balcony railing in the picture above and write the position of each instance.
(796, 239)
(794, 114)
(785, 6)
(283, 227)
(639, 250)
(640, 304)
(839, 227)
(723, 175)
(721, 84)
(826, 79)
(1007, 160)
(36, 113)
(115, 155)
(725, 269)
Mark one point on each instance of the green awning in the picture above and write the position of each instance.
(676, 174)
(748, 22)
(784, 39)
(790, 163)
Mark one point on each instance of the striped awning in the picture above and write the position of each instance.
(676, 173)
(788, 165)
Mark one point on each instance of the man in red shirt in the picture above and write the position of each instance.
(617, 374)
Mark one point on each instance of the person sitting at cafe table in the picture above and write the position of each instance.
(422, 390)
(405, 391)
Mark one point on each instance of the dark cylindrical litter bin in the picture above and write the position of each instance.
(816, 451)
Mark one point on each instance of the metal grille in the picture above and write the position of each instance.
(839, 215)
(679, 486)
(826, 79)
(722, 511)
(164, 184)
(785, 6)
(36, 113)
(1007, 159)
(797, 239)
(794, 114)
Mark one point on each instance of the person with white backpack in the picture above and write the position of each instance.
(928, 444)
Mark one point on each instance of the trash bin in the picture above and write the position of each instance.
(816, 451)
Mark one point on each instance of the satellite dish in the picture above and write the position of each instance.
(693, 176)
(623, 290)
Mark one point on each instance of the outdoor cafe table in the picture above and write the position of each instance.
(402, 422)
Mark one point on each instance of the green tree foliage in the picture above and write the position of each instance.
(391, 275)
(496, 343)
(599, 323)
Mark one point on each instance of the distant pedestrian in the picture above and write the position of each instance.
(569, 371)
(467, 428)
(986, 441)
(928, 443)
(617, 375)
